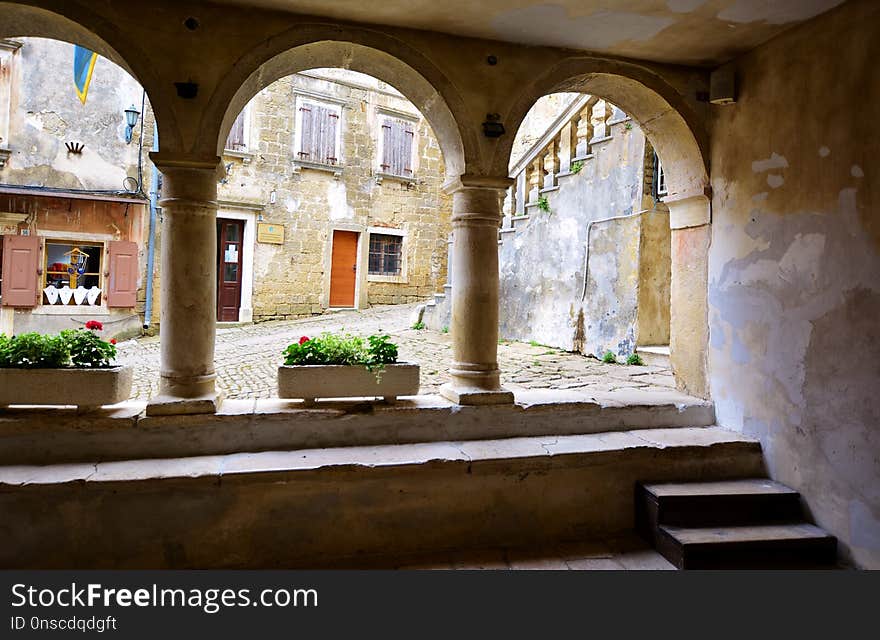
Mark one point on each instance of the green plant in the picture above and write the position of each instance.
(33, 351)
(86, 350)
(544, 204)
(418, 326)
(635, 359)
(576, 166)
(329, 348)
(628, 126)
(534, 343)
(444, 330)
(609, 358)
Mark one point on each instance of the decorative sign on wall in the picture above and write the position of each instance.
(270, 233)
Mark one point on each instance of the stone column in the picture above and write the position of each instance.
(550, 166)
(476, 212)
(536, 177)
(188, 292)
(583, 133)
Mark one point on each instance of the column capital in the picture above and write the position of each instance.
(170, 160)
(471, 181)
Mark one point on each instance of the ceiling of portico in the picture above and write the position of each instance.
(692, 32)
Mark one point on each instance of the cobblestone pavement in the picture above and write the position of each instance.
(247, 357)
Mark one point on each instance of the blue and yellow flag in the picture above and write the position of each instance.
(83, 65)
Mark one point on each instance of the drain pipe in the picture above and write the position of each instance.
(151, 242)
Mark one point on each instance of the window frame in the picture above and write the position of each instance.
(383, 114)
(400, 278)
(102, 263)
(327, 102)
(245, 134)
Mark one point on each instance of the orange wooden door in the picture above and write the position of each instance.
(343, 268)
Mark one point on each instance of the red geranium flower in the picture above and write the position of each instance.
(94, 325)
(112, 340)
(303, 340)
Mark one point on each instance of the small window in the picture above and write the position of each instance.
(74, 265)
(318, 132)
(397, 147)
(385, 254)
(659, 186)
(236, 141)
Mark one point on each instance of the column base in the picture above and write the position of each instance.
(474, 396)
(167, 405)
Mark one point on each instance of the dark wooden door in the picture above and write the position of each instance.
(343, 268)
(230, 236)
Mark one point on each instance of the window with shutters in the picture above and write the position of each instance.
(317, 136)
(396, 143)
(386, 255)
(237, 140)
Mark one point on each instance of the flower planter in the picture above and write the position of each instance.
(310, 382)
(85, 388)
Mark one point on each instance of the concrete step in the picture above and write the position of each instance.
(341, 506)
(797, 545)
(657, 355)
(725, 503)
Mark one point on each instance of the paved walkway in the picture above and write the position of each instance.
(247, 357)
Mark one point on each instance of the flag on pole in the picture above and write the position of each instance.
(83, 65)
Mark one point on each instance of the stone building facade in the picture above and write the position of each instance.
(366, 223)
(348, 175)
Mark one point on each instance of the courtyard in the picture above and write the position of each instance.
(248, 356)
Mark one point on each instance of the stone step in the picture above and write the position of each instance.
(706, 504)
(310, 507)
(797, 545)
(657, 355)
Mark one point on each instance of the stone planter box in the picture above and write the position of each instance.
(310, 382)
(85, 388)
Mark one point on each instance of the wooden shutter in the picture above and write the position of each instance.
(21, 264)
(306, 133)
(397, 143)
(123, 272)
(235, 140)
(328, 132)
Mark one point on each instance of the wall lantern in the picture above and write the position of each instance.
(131, 119)
(493, 127)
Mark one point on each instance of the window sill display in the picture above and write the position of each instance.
(334, 366)
(80, 296)
(73, 367)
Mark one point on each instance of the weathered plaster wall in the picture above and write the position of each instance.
(794, 273)
(654, 278)
(46, 113)
(291, 280)
(542, 263)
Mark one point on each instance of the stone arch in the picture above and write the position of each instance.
(363, 50)
(681, 141)
(78, 25)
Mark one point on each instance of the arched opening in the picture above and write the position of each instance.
(632, 246)
(74, 180)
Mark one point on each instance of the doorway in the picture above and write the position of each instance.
(230, 238)
(343, 269)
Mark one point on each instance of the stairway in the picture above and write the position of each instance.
(657, 355)
(736, 524)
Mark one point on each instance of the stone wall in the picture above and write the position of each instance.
(292, 279)
(794, 267)
(542, 257)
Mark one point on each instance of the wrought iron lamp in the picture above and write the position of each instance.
(131, 120)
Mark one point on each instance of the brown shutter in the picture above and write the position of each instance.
(21, 263)
(329, 132)
(306, 135)
(123, 270)
(387, 144)
(407, 146)
(235, 140)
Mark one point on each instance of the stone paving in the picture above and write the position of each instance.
(247, 357)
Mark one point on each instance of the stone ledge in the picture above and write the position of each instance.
(293, 509)
(122, 431)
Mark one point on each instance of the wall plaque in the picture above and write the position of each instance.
(270, 233)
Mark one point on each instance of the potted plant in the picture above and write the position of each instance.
(345, 366)
(73, 367)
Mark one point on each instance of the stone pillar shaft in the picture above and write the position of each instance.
(476, 213)
(188, 288)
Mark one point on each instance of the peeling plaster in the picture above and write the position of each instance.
(684, 6)
(774, 180)
(856, 171)
(775, 11)
(824, 152)
(775, 161)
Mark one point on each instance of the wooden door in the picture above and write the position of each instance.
(230, 237)
(343, 269)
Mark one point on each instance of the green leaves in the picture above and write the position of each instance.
(79, 348)
(329, 348)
